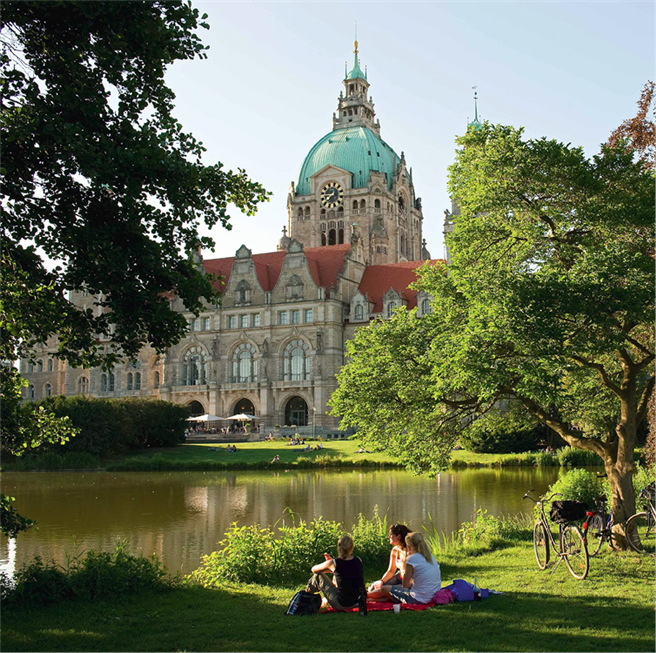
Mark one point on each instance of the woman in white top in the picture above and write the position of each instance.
(422, 578)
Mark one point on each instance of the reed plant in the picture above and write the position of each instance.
(484, 533)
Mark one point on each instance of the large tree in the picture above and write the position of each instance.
(102, 190)
(548, 301)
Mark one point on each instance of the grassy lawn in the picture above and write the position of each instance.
(253, 455)
(612, 610)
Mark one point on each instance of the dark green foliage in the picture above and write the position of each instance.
(112, 426)
(11, 522)
(91, 576)
(102, 189)
(511, 431)
(578, 485)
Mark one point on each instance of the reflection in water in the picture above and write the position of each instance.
(183, 515)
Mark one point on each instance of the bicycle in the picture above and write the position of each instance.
(641, 527)
(571, 546)
(597, 527)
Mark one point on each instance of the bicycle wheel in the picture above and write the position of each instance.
(595, 535)
(541, 545)
(640, 532)
(572, 545)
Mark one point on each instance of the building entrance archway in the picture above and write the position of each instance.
(296, 412)
(196, 408)
(244, 406)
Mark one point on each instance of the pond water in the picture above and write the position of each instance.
(183, 515)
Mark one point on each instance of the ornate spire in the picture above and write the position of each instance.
(476, 123)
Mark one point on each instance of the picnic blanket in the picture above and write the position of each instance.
(442, 597)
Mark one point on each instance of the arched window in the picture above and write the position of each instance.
(299, 215)
(307, 212)
(83, 385)
(359, 312)
(323, 239)
(390, 309)
(332, 237)
(51, 365)
(355, 205)
(31, 392)
(39, 366)
(110, 383)
(297, 361)
(425, 307)
(156, 380)
(340, 237)
(377, 204)
(137, 380)
(103, 383)
(195, 366)
(130, 381)
(322, 214)
(363, 205)
(244, 365)
(48, 389)
(30, 367)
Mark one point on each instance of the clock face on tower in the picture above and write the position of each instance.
(332, 195)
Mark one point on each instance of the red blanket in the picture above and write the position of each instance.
(442, 597)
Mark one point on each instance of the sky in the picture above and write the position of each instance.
(571, 71)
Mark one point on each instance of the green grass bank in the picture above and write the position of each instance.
(612, 610)
(258, 455)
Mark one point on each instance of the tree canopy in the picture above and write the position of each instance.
(548, 302)
(102, 190)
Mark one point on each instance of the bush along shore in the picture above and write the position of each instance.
(236, 599)
(260, 455)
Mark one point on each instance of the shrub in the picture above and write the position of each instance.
(283, 555)
(578, 485)
(114, 426)
(94, 575)
(571, 457)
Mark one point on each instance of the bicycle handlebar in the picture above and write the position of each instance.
(542, 498)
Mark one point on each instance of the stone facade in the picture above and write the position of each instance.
(273, 346)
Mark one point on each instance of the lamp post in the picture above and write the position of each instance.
(314, 419)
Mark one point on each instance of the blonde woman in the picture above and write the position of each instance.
(348, 577)
(422, 578)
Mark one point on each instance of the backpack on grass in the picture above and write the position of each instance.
(304, 603)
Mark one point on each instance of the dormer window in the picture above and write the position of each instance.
(243, 292)
(294, 288)
(359, 312)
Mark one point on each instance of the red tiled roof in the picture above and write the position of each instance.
(324, 264)
(378, 279)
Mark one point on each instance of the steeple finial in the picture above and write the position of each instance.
(475, 104)
(476, 123)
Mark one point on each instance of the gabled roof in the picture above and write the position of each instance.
(378, 279)
(324, 264)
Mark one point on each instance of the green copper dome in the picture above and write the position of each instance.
(356, 149)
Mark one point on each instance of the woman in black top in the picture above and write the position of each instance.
(348, 577)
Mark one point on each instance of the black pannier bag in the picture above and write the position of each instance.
(304, 603)
(563, 512)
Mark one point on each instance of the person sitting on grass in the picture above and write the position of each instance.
(276, 459)
(422, 577)
(348, 577)
(398, 554)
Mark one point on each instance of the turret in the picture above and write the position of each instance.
(354, 106)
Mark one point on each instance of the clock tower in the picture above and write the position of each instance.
(352, 181)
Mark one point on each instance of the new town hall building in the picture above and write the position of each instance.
(274, 345)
